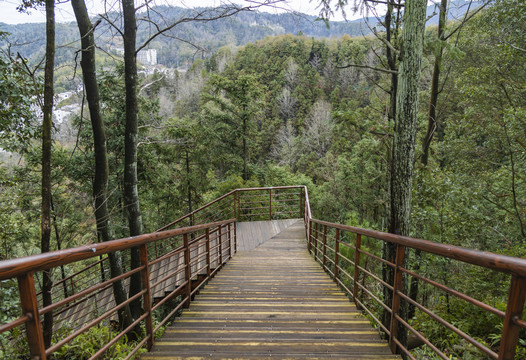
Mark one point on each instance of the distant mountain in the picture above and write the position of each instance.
(237, 30)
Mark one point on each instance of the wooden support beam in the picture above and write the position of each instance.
(29, 304)
(514, 309)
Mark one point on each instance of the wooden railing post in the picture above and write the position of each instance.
(514, 309)
(302, 212)
(208, 264)
(29, 304)
(336, 254)
(324, 250)
(235, 237)
(316, 226)
(270, 203)
(187, 272)
(220, 245)
(357, 247)
(309, 240)
(229, 240)
(397, 286)
(147, 298)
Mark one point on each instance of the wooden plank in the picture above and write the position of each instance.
(275, 302)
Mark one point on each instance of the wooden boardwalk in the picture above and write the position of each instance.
(273, 302)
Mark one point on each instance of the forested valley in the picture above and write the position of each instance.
(294, 109)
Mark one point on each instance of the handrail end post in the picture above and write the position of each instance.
(514, 309)
(29, 304)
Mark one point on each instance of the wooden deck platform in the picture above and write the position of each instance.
(273, 302)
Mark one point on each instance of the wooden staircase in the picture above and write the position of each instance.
(271, 302)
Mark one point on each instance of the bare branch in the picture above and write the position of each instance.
(387, 43)
(112, 24)
(368, 67)
(467, 17)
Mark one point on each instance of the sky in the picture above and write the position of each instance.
(64, 13)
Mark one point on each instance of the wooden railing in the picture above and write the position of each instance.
(202, 249)
(341, 252)
(195, 252)
(175, 264)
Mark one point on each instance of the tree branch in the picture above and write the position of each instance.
(368, 67)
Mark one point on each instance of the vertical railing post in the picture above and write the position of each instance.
(147, 298)
(324, 250)
(357, 247)
(220, 237)
(235, 237)
(336, 254)
(187, 272)
(270, 203)
(316, 240)
(309, 240)
(514, 309)
(302, 211)
(208, 264)
(229, 240)
(397, 286)
(29, 304)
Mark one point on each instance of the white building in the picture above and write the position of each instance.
(147, 57)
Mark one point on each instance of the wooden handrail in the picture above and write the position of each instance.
(323, 239)
(13, 268)
(516, 267)
(489, 260)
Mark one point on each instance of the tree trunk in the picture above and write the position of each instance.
(405, 131)
(391, 61)
(131, 195)
(100, 182)
(46, 164)
(431, 116)
(188, 184)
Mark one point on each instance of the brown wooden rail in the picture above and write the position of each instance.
(325, 244)
(217, 239)
(207, 246)
(204, 248)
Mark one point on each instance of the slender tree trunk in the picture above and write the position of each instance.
(391, 62)
(100, 182)
(405, 130)
(131, 195)
(431, 116)
(188, 184)
(245, 155)
(59, 247)
(431, 128)
(46, 164)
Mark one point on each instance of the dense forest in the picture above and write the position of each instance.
(295, 108)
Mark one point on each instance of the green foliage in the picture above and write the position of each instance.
(85, 345)
(17, 95)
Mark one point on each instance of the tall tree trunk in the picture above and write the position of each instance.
(131, 195)
(46, 164)
(431, 115)
(59, 247)
(431, 128)
(245, 155)
(391, 61)
(100, 183)
(188, 184)
(405, 129)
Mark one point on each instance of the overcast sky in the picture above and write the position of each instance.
(9, 15)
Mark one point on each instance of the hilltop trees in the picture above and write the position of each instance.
(233, 108)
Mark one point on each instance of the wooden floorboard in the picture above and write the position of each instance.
(273, 302)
